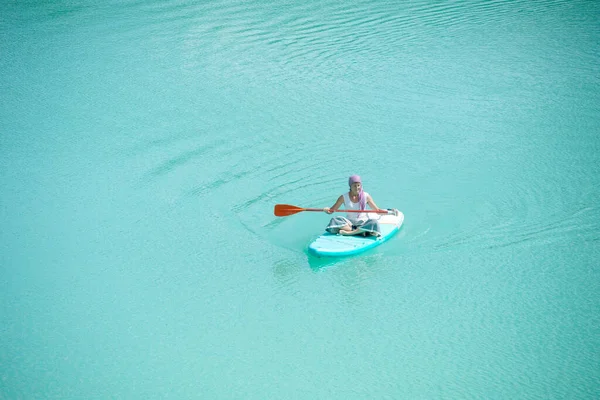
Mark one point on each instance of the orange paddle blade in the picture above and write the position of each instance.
(283, 210)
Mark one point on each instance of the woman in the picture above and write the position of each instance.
(353, 223)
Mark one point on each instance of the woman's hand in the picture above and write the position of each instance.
(328, 210)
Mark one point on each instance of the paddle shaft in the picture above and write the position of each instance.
(283, 210)
(350, 211)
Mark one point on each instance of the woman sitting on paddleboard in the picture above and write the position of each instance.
(353, 223)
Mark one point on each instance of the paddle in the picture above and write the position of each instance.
(283, 210)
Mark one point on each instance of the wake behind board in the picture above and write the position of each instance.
(338, 245)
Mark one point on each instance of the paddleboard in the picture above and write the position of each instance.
(338, 245)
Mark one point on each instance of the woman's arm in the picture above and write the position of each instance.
(371, 203)
(337, 205)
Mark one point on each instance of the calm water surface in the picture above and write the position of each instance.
(143, 146)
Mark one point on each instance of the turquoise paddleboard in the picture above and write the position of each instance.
(339, 245)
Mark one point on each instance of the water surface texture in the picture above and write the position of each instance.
(143, 145)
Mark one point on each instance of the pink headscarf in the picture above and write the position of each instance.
(361, 195)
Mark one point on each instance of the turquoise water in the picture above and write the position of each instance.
(144, 145)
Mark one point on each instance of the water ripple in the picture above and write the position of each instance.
(347, 45)
(514, 221)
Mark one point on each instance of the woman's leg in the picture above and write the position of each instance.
(347, 230)
(337, 224)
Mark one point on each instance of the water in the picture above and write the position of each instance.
(144, 145)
